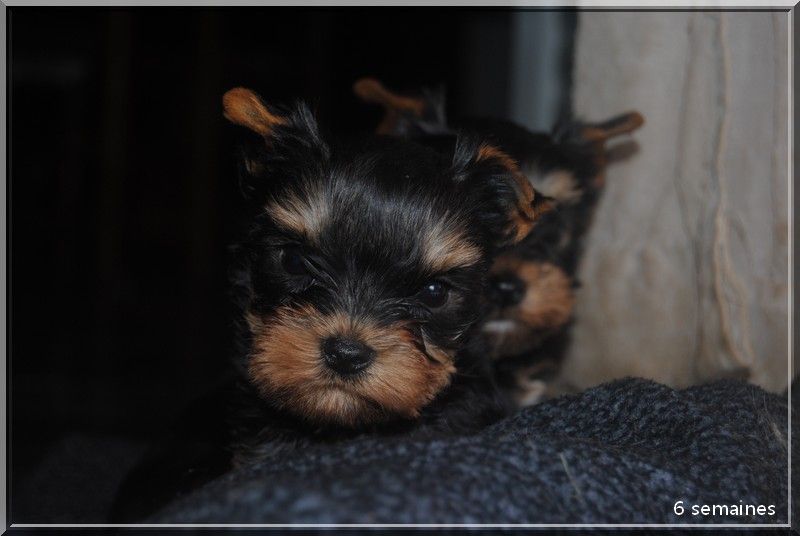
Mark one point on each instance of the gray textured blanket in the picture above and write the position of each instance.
(624, 452)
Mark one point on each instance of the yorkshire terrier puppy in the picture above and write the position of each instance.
(362, 278)
(532, 283)
(360, 283)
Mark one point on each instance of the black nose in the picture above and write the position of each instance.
(507, 289)
(346, 356)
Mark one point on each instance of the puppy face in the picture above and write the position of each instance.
(532, 299)
(532, 284)
(365, 266)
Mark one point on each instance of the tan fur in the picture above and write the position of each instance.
(599, 133)
(559, 184)
(489, 152)
(549, 299)
(546, 306)
(445, 248)
(611, 128)
(371, 90)
(305, 216)
(286, 364)
(528, 209)
(243, 107)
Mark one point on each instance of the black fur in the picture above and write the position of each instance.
(368, 262)
(558, 236)
(563, 149)
(557, 239)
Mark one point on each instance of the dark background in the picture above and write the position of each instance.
(124, 199)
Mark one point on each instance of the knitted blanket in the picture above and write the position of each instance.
(631, 451)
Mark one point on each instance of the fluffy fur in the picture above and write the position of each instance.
(342, 241)
(345, 243)
(532, 283)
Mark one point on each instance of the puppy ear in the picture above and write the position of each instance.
(507, 201)
(244, 107)
(611, 128)
(589, 142)
(288, 142)
(396, 107)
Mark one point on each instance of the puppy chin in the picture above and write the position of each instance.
(508, 337)
(332, 405)
(338, 404)
(285, 365)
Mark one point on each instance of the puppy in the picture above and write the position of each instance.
(360, 283)
(361, 280)
(532, 283)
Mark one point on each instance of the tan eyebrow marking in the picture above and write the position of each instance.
(305, 216)
(445, 249)
(444, 246)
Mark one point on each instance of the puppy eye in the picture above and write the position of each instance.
(293, 262)
(434, 294)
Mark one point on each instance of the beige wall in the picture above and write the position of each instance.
(685, 272)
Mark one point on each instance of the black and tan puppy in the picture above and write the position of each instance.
(532, 283)
(360, 284)
(361, 280)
